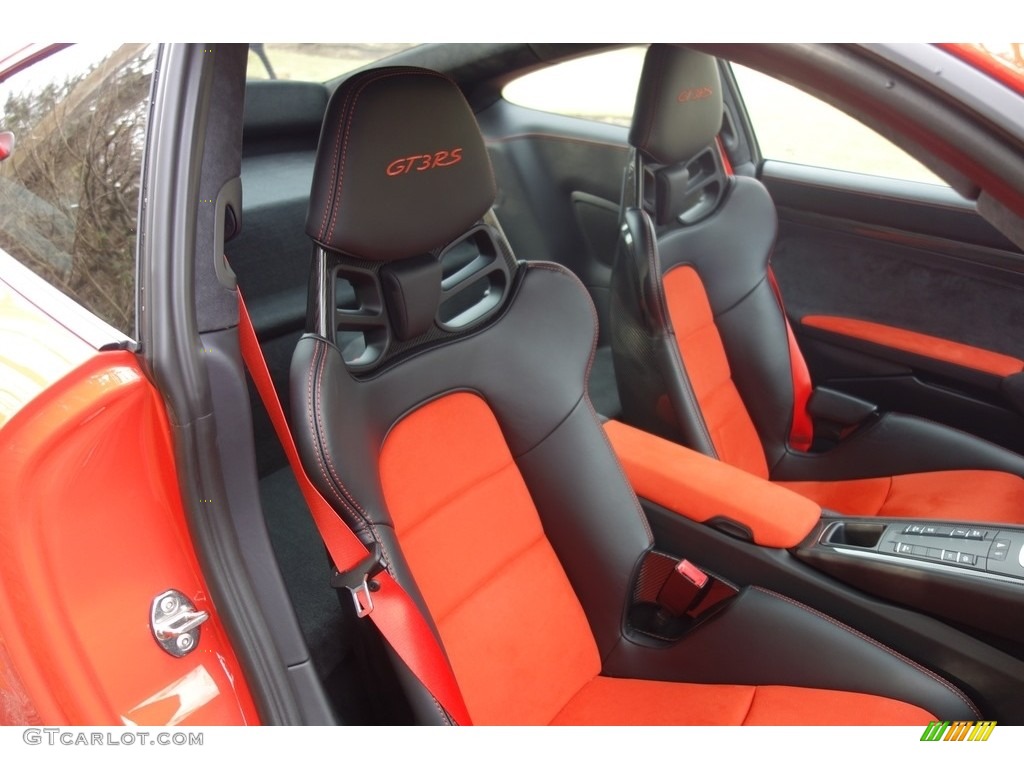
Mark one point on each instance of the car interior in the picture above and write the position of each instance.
(651, 429)
(706, 333)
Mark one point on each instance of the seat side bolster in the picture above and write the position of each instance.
(897, 444)
(654, 388)
(764, 638)
(591, 517)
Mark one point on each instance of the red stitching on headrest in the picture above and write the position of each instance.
(438, 158)
(347, 120)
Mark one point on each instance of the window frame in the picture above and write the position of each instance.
(736, 103)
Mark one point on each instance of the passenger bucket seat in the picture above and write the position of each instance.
(444, 414)
(703, 351)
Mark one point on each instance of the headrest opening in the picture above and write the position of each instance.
(401, 168)
(376, 311)
(475, 280)
(685, 193)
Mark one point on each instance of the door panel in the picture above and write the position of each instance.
(93, 530)
(901, 294)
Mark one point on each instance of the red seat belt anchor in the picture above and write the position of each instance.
(358, 580)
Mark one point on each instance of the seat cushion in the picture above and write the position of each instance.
(995, 497)
(613, 701)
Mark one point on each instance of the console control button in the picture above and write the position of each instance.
(917, 529)
(967, 559)
(999, 549)
(959, 533)
(949, 556)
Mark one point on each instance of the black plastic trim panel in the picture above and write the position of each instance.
(948, 569)
(167, 330)
(233, 415)
(908, 206)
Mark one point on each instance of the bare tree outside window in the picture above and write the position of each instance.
(69, 193)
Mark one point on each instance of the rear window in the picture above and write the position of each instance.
(601, 86)
(315, 62)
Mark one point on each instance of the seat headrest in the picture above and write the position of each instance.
(678, 108)
(401, 168)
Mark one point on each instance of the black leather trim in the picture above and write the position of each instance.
(541, 344)
(678, 108)
(730, 250)
(682, 399)
(654, 389)
(757, 347)
(898, 444)
(591, 518)
(763, 638)
(407, 141)
(991, 677)
(645, 259)
(412, 291)
(639, 373)
(730, 253)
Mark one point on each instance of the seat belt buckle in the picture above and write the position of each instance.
(358, 580)
(684, 587)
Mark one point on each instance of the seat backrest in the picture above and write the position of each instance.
(444, 412)
(699, 339)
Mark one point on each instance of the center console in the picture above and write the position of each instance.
(948, 594)
(968, 573)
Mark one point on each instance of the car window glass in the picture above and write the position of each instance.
(314, 62)
(600, 87)
(69, 191)
(794, 126)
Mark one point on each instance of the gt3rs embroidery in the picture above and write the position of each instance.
(419, 163)
(694, 94)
